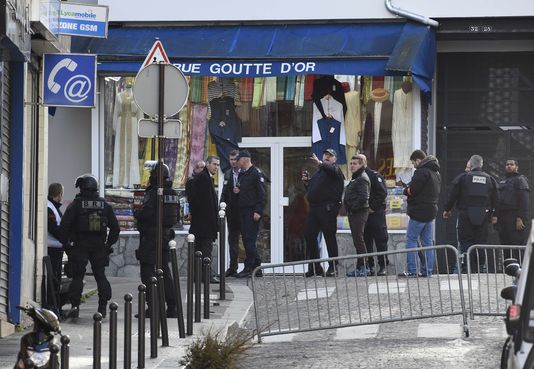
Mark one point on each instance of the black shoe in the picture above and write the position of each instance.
(74, 312)
(230, 272)
(381, 271)
(171, 312)
(331, 272)
(214, 279)
(259, 273)
(245, 273)
(102, 308)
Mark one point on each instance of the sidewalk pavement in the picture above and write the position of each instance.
(222, 315)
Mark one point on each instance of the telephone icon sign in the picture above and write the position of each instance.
(69, 80)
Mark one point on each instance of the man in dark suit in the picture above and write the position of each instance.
(204, 208)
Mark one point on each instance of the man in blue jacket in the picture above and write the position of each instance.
(423, 194)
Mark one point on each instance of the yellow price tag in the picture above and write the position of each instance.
(394, 222)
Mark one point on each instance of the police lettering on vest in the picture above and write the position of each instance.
(91, 217)
(171, 208)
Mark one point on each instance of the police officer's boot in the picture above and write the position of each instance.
(102, 308)
(74, 312)
(171, 311)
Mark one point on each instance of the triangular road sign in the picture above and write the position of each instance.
(156, 55)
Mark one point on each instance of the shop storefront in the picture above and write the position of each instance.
(282, 92)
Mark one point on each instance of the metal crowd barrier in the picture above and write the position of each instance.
(285, 301)
(486, 277)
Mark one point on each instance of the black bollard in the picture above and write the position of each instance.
(141, 327)
(206, 269)
(198, 284)
(65, 352)
(222, 252)
(177, 289)
(54, 350)
(97, 340)
(128, 331)
(152, 309)
(162, 313)
(190, 280)
(113, 335)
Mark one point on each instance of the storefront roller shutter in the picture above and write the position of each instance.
(5, 119)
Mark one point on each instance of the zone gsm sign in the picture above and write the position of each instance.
(83, 20)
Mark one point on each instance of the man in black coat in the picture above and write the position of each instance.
(423, 194)
(229, 197)
(514, 195)
(325, 189)
(204, 209)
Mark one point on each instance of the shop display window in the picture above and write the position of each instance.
(372, 115)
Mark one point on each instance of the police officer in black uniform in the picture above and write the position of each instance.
(84, 227)
(325, 189)
(250, 189)
(147, 225)
(514, 194)
(475, 195)
(376, 229)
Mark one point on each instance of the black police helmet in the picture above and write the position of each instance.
(86, 182)
(153, 166)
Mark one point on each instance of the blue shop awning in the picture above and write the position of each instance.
(275, 50)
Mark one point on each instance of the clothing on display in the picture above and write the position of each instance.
(402, 126)
(353, 124)
(225, 128)
(198, 135)
(126, 149)
(321, 135)
(376, 141)
(328, 85)
(329, 129)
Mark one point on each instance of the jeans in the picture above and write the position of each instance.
(422, 230)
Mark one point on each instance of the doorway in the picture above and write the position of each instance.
(282, 160)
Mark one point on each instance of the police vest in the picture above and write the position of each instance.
(478, 186)
(508, 188)
(91, 217)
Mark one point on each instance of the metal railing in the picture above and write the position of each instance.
(286, 301)
(486, 277)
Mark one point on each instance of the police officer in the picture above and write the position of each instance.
(376, 230)
(232, 211)
(514, 196)
(84, 227)
(147, 225)
(251, 201)
(475, 195)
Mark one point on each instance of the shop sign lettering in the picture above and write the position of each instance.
(247, 69)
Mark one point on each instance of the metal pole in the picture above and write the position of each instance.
(141, 327)
(162, 313)
(65, 352)
(190, 279)
(198, 284)
(177, 289)
(97, 340)
(161, 155)
(128, 331)
(222, 252)
(113, 335)
(206, 271)
(54, 349)
(152, 309)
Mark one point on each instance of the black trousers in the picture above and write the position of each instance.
(376, 232)
(56, 259)
(470, 234)
(357, 222)
(204, 245)
(249, 234)
(321, 219)
(508, 235)
(148, 271)
(78, 258)
(233, 241)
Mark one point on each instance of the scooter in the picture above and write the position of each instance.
(35, 345)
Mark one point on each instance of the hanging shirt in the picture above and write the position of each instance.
(333, 109)
(225, 128)
(402, 129)
(330, 129)
(378, 114)
(328, 85)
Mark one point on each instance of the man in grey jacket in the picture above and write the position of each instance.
(356, 203)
